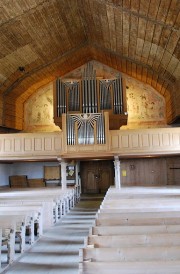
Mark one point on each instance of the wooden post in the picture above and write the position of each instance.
(117, 172)
(63, 175)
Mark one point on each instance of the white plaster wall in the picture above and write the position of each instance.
(5, 172)
(32, 170)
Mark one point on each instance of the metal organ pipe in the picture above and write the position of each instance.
(121, 94)
(57, 96)
(115, 93)
(117, 81)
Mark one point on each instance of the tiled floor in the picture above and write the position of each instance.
(58, 250)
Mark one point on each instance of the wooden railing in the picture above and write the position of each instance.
(36, 146)
(145, 141)
(30, 145)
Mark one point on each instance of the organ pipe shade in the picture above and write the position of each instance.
(90, 129)
(89, 95)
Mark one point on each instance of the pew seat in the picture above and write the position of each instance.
(153, 267)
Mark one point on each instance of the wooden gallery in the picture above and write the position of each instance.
(90, 136)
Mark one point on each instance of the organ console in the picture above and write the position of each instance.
(84, 103)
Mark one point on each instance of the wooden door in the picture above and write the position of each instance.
(96, 176)
(91, 183)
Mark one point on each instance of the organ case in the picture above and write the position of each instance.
(84, 101)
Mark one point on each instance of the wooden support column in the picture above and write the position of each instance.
(78, 180)
(117, 168)
(63, 174)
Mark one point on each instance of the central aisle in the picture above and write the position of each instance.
(58, 249)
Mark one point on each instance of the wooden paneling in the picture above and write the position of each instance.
(52, 173)
(152, 140)
(173, 171)
(146, 172)
(27, 145)
(96, 176)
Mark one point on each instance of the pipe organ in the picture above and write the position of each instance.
(84, 102)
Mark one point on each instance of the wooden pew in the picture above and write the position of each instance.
(152, 267)
(142, 203)
(60, 203)
(133, 254)
(22, 208)
(31, 215)
(134, 240)
(147, 218)
(8, 226)
(135, 229)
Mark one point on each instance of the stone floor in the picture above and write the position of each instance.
(58, 249)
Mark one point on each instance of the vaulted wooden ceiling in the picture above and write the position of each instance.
(46, 39)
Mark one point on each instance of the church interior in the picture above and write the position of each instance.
(90, 136)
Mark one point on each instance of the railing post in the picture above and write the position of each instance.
(117, 168)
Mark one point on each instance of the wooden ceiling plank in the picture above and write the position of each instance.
(164, 87)
(73, 21)
(70, 33)
(124, 67)
(153, 9)
(126, 19)
(173, 12)
(139, 48)
(112, 26)
(165, 60)
(149, 76)
(165, 36)
(97, 26)
(33, 24)
(176, 52)
(159, 84)
(148, 42)
(134, 72)
(150, 27)
(145, 52)
(135, 5)
(127, 4)
(87, 17)
(140, 38)
(7, 44)
(102, 13)
(144, 74)
(144, 7)
(177, 22)
(133, 36)
(161, 49)
(154, 46)
(173, 63)
(177, 72)
(163, 10)
(129, 70)
(139, 72)
(119, 30)
(114, 61)
(119, 64)
(173, 41)
(57, 23)
(154, 80)
(49, 35)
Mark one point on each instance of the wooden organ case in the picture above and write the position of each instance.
(84, 102)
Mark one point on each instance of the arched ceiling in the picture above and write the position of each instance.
(50, 38)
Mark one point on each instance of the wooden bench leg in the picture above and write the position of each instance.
(11, 246)
(32, 230)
